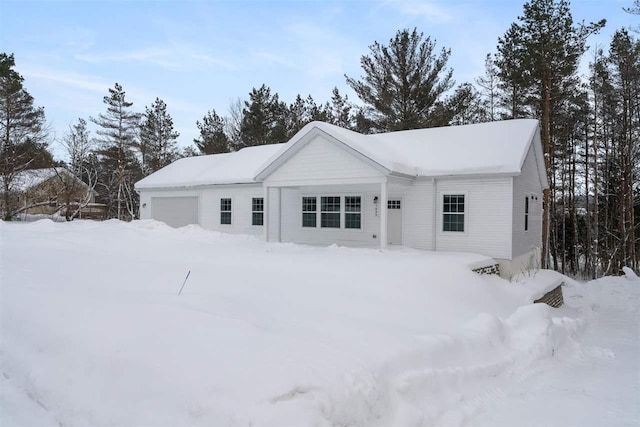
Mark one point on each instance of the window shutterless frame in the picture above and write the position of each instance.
(352, 212)
(225, 211)
(453, 210)
(309, 210)
(330, 211)
(257, 211)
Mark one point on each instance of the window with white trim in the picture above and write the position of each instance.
(526, 213)
(352, 212)
(453, 212)
(393, 204)
(330, 212)
(257, 211)
(225, 211)
(309, 209)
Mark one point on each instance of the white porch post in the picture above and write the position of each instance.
(383, 215)
(265, 219)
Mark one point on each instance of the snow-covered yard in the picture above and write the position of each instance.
(94, 333)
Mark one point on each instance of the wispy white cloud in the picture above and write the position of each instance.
(276, 59)
(75, 80)
(171, 56)
(427, 10)
(154, 55)
(210, 59)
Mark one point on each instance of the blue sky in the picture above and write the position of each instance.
(201, 55)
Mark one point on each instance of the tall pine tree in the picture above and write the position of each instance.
(403, 81)
(264, 119)
(117, 138)
(158, 139)
(543, 51)
(22, 129)
(213, 139)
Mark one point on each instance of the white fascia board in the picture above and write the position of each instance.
(467, 176)
(200, 187)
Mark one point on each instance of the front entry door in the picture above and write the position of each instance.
(394, 221)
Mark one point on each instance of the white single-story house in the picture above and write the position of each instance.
(473, 188)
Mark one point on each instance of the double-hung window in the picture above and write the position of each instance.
(225, 211)
(453, 212)
(257, 211)
(352, 212)
(526, 213)
(309, 210)
(330, 212)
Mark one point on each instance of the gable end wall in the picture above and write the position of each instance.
(527, 184)
(320, 162)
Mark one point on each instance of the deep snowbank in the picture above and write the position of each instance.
(94, 333)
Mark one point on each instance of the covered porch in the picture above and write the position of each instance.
(363, 214)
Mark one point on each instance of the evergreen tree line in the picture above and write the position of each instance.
(589, 125)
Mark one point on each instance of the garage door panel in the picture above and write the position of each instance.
(175, 211)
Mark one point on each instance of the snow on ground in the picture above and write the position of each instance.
(94, 333)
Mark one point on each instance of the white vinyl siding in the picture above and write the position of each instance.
(321, 162)
(527, 184)
(487, 227)
(241, 208)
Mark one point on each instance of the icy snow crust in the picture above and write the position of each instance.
(485, 148)
(265, 334)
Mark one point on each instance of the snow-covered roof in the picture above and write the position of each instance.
(229, 168)
(484, 148)
(27, 179)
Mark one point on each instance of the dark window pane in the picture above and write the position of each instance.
(308, 204)
(225, 204)
(257, 204)
(257, 218)
(225, 217)
(309, 219)
(330, 220)
(352, 204)
(330, 204)
(453, 222)
(526, 213)
(393, 204)
(352, 220)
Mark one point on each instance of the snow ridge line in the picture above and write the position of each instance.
(448, 379)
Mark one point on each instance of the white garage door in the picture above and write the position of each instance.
(175, 211)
